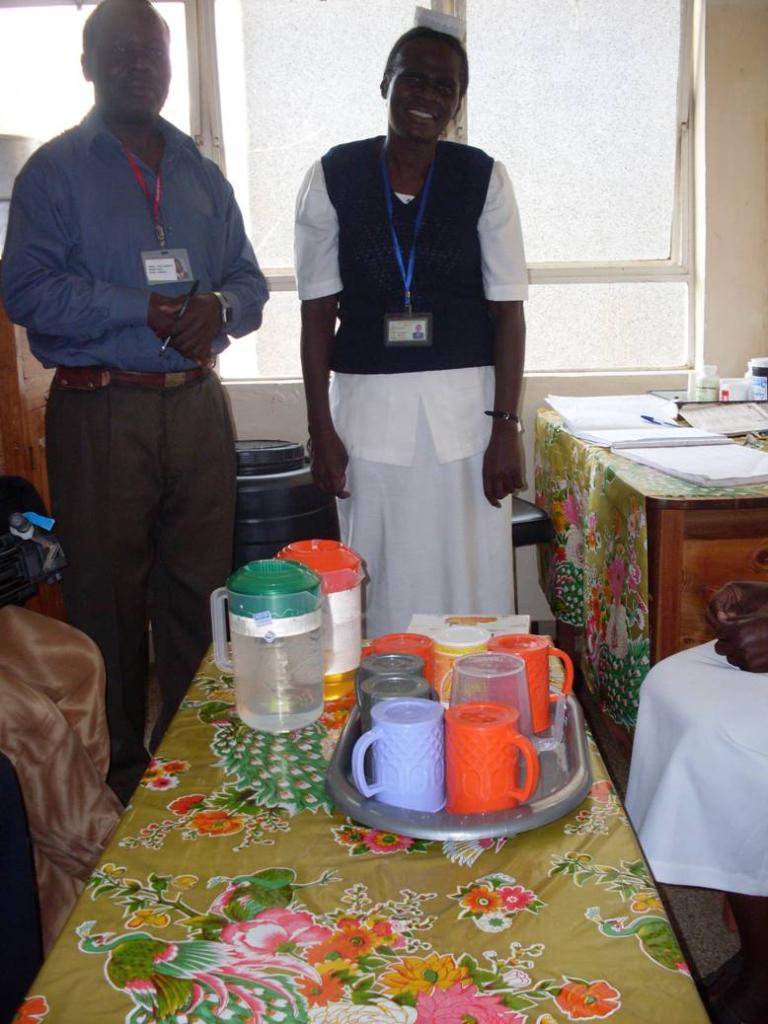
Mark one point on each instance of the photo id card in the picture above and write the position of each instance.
(408, 330)
(162, 266)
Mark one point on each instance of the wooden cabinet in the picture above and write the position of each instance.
(24, 386)
(694, 546)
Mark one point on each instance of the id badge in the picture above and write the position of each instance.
(408, 330)
(162, 266)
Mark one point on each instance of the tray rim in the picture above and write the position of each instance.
(443, 825)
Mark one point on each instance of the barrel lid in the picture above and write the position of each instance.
(272, 577)
(262, 457)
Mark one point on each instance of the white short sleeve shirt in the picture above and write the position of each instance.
(376, 414)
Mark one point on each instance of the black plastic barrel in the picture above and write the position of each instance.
(277, 501)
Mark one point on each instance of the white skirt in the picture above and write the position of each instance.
(431, 542)
(698, 785)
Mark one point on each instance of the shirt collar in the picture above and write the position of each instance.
(100, 139)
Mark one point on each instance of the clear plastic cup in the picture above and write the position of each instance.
(493, 678)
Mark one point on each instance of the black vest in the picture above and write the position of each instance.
(447, 280)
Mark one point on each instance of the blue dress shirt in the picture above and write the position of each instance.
(72, 270)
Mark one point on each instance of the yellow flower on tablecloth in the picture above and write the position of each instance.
(148, 918)
(216, 823)
(482, 900)
(643, 902)
(223, 695)
(414, 974)
(113, 870)
(185, 881)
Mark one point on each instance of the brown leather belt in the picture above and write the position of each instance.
(91, 378)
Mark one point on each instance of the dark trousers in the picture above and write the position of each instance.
(143, 490)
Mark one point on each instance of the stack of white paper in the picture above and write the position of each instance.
(725, 465)
(650, 437)
(613, 412)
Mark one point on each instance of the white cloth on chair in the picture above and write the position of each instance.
(698, 786)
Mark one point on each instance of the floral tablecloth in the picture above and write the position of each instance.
(595, 572)
(231, 891)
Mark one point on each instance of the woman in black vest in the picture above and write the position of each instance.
(414, 245)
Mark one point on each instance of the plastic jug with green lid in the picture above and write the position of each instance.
(275, 618)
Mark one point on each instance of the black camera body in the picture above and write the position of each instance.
(28, 556)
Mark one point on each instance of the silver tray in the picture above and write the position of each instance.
(564, 782)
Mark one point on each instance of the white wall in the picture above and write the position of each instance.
(732, 250)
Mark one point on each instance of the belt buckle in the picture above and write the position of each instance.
(175, 380)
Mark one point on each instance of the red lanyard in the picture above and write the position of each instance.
(154, 203)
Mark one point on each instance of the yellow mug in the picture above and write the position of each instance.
(451, 643)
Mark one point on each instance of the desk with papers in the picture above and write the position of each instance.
(636, 556)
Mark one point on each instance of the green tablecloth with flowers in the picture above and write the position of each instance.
(232, 892)
(595, 571)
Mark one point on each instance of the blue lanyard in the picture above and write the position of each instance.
(407, 275)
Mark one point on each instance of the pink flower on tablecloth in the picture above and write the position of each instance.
(602, 791)
(572, 509)
(515, 897)
(386, 842)
(463, 1003)
(162, 782)
(633, 576)
(274, 931)
(617, 572)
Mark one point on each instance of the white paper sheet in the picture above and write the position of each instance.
(724, 465)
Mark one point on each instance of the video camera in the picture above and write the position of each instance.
(29, 554)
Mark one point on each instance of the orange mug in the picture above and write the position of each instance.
(481, 759)
(407, 643)
(535, 652)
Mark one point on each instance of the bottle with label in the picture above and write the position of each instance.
(707, 385)
(757, 374)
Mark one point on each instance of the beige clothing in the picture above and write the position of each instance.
(53, 728)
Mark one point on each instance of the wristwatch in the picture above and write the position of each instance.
(509, 417)
(226, 309)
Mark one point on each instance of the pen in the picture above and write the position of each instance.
(659, 423)
(182, 310)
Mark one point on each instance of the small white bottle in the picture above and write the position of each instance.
(707, 384)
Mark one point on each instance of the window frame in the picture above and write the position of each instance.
(207, 131)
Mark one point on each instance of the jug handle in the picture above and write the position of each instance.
(219, 626)
(531, 759)
(358, 763)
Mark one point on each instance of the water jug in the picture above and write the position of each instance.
(275, 624)
(341, 573)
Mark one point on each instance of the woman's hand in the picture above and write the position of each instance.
(329, 462)
(503, 463)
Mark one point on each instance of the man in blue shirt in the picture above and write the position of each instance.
(127, 261)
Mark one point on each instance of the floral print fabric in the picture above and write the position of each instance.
(233, 892)
(595, 571)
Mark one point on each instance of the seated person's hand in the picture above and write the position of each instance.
(735, 600)
(744, 641)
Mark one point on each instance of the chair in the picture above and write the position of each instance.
(530, 524)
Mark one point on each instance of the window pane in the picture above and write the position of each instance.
(606, 326)
(579, 101)
(297, 77)
(274, 350)
(42, 107)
